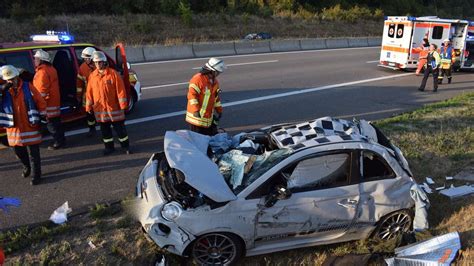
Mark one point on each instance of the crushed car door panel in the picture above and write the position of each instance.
(322, 201)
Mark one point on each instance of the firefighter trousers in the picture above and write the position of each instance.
(210, 131)
(445, 72)
(56, 129)
(108, 138)
(30, 158)
(90, 117)
(426, 74)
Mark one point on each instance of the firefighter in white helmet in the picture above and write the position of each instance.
(204, 108)
(448, 56)
(107, 98)
(47, 82)
(86, 68)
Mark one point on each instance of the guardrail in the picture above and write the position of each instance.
(136, 54)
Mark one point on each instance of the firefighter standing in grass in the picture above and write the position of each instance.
(47, 83)
(448, 55)
(21, 108)
(432, 66)
(204, 108)
(85, 70)
(107, 98)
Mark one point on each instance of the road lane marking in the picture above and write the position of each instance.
(252, 100)
(248, 63)
(370, 62)
(164, 85)
(250, 55)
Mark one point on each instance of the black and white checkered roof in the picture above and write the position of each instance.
(317, 132)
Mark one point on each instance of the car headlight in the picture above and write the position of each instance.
(171, 211)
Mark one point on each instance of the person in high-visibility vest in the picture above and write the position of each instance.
(47, 82)
(107, 98)
(448, 56)
(204, 108)
(432, 66)
(21, 109)
(86, 68)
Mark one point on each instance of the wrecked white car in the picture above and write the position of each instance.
(215, 199)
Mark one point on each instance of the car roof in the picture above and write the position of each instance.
(6, 47)
(322, 131)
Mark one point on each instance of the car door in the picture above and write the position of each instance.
(322, 204)
(122, 66)
(379, 188)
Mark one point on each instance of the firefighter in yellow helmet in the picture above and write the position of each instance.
(204, 108)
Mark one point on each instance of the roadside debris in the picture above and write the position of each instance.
(5, 202)
(422, 204)
(91, 244)
(456, 192)
(258, 36)
(441, 250)
(59, 215)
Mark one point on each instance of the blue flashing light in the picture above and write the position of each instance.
(471, 23)
(66, 38)
(411, 18)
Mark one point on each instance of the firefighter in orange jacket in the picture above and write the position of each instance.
(21, 108)
(107, 98)
(47, 83)
(85, 70)
(204, 108)
(423, 50)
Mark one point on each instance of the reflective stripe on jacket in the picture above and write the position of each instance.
(203, 97)
(106, 96)
(81, 84)
(23, 133)
(7, 108)
(47, 83)
(447, 56)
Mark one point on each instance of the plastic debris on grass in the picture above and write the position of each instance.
(441, 250)
(59, 215)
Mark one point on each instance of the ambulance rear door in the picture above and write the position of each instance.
(396, 43)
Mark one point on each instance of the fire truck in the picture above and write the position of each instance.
(402, 35)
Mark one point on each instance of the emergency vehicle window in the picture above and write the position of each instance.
(18, 59)
(391, 30)
(374, 167)
(437, 33)
(78, 51)
(400, 28)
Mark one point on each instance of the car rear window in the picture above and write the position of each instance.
(21, 59)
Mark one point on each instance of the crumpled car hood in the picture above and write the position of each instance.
(199, 171)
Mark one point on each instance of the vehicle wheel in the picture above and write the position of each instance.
(393, 225)
(132, 101)
(217, 249)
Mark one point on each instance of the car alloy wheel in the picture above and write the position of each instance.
(394, 225)
(216, 249)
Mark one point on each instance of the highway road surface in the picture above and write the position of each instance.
(258, 90)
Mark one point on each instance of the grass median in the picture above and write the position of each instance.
(438, 141)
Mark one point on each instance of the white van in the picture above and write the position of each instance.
(402, 35)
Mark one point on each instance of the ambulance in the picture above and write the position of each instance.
(402, 35)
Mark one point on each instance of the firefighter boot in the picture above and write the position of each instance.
(449, 80)
(26, 171)
(109, 148)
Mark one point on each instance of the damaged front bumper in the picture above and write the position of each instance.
(146, 208)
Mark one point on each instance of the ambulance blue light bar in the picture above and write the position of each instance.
(53, 36)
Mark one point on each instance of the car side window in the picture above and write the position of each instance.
(18, 59)
(322, 172)
(374, 167)
(437, 33)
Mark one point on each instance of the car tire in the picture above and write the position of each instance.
(217, 249)
(133, 100)
(393, 225)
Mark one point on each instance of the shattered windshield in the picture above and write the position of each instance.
(262, 164)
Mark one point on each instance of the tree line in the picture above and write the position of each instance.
(307, 9)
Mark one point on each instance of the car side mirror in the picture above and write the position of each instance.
(279, 193)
